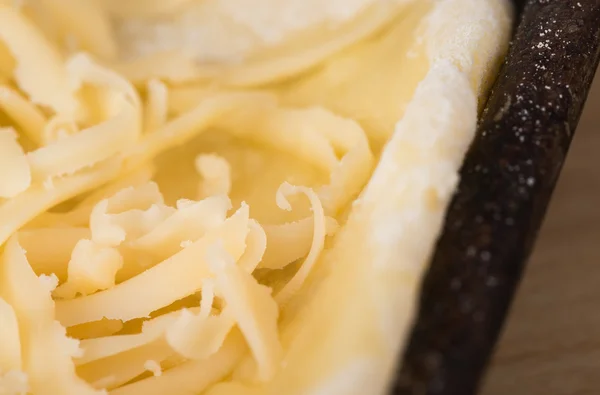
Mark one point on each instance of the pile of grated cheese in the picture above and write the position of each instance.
(175, 183)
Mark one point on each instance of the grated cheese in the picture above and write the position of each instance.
(92, 268)
(16, 177)
(87, 147)
(13, 382)
(252, 307)
(30, 49)
(154, 367)
(120, 288)
(176, 277)
(188, 223)
(50, 282)
(95, 329)
(86, 23)
(47, 352)
(318, 240)
(10, 346)
(316, 135)
(215, 173)
(155, 111)
(49, 249)
(291, 241)
(26, 115)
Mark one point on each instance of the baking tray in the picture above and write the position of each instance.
(507, 180)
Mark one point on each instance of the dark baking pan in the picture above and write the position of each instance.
(507, 180)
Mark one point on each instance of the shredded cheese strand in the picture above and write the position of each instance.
(177, 277)
(88, 147)
(58, 127)
(18, 211)
(289, 242)
(95, 329)
(256, 245)
(10, 346)
(197, 336)
(318, 241)
(80, 215)
(156, 108)
(24, 113)
(189, 223)
(172, 66)
(143, 8)
(216, 175)
(123, 367)
(252, 307)
(31, 49)
(49, 249)
(183, 128)
(47, 352)
(86, 22)
(15, 175)
(316, 135)
(92, 268)
(191, 377)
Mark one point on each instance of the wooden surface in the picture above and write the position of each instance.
(551, 343)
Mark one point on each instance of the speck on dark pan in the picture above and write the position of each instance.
(506, 183)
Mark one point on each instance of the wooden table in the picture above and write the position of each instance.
(551, 343)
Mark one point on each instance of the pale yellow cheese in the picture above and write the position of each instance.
(58, 127)
(344, 331)
(47, 352)
(95, 329)
(84, 22)
(92, 268)
(113, 229)
(256, 245)
(315, 135)
(318, 239)
(154, 367)
(83, 69)
(142, 195)
(114, 360)
(373, 83)
(18, 211)
(183, 128)
(143, 7)
(10, 343)
(155, 111)
(253, 309)
(31, 49)
(291, 241)
(108, 346)
(14, 382)
(215, 173)
(171, 66)
(117, 370)
(16, 173)
(284, 62)
(176, 277)
(191, 377)
(80, 215)
(30, 120)
(127, 215)
(190, 222)
(197, 337)
(86, 148)
(173, 284)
